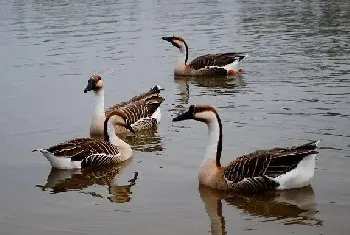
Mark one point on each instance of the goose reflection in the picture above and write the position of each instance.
(147, 140)
(212, 85)
(144, 141)
(59, 181)
(295, 206)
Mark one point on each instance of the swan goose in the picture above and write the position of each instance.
(88, 152)
(277, 168)
(140, 114)
(221, 64)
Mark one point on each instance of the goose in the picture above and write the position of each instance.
(81, 180)
(221, 64)
(139, 113)
(88, 152)
(297, 205)
(262, 170)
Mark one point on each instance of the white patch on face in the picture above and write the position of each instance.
(99, 84)
(206, 115)
(158, 87)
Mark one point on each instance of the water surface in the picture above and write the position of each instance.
(296, 89)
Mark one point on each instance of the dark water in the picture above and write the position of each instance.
(296, 89)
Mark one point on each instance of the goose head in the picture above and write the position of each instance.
(202, 113)
(94, 84)
(177, 42)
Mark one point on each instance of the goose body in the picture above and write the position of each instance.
(221, 64)
(89, 152)
(271, 169)
(142, 111)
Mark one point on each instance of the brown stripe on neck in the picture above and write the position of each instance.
(105, 130)
(186, 51)
(219, 148)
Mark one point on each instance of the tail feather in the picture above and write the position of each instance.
(154, 104)
(242, 57)
(308, 146)
(40, 150)
(157, 88)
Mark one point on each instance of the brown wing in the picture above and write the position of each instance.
(69, 148)
(152, 93)
(141, 109)
(270, 163)
(83, 148)
(220, 60)
(254, 184)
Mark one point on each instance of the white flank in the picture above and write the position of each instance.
(234, 65)
(157, 115)
(60, 162)
(300, 176)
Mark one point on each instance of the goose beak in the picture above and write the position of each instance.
(89, 87)
(183, 116)
(169, 39)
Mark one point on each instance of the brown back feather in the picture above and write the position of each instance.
(152, 93)
(79, 148)
(141, 109)
(220, 59)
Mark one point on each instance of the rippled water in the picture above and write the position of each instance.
(296, 88)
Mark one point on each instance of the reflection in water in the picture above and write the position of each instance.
(299, 65)
(295, 206)
(213, 206)
(184, 94)
(144, 140)
(59, 181)
(212, 85)
(217, 85)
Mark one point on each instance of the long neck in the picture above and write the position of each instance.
(110, 136)
(214, 148)
(99, 103)
(183, 54)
